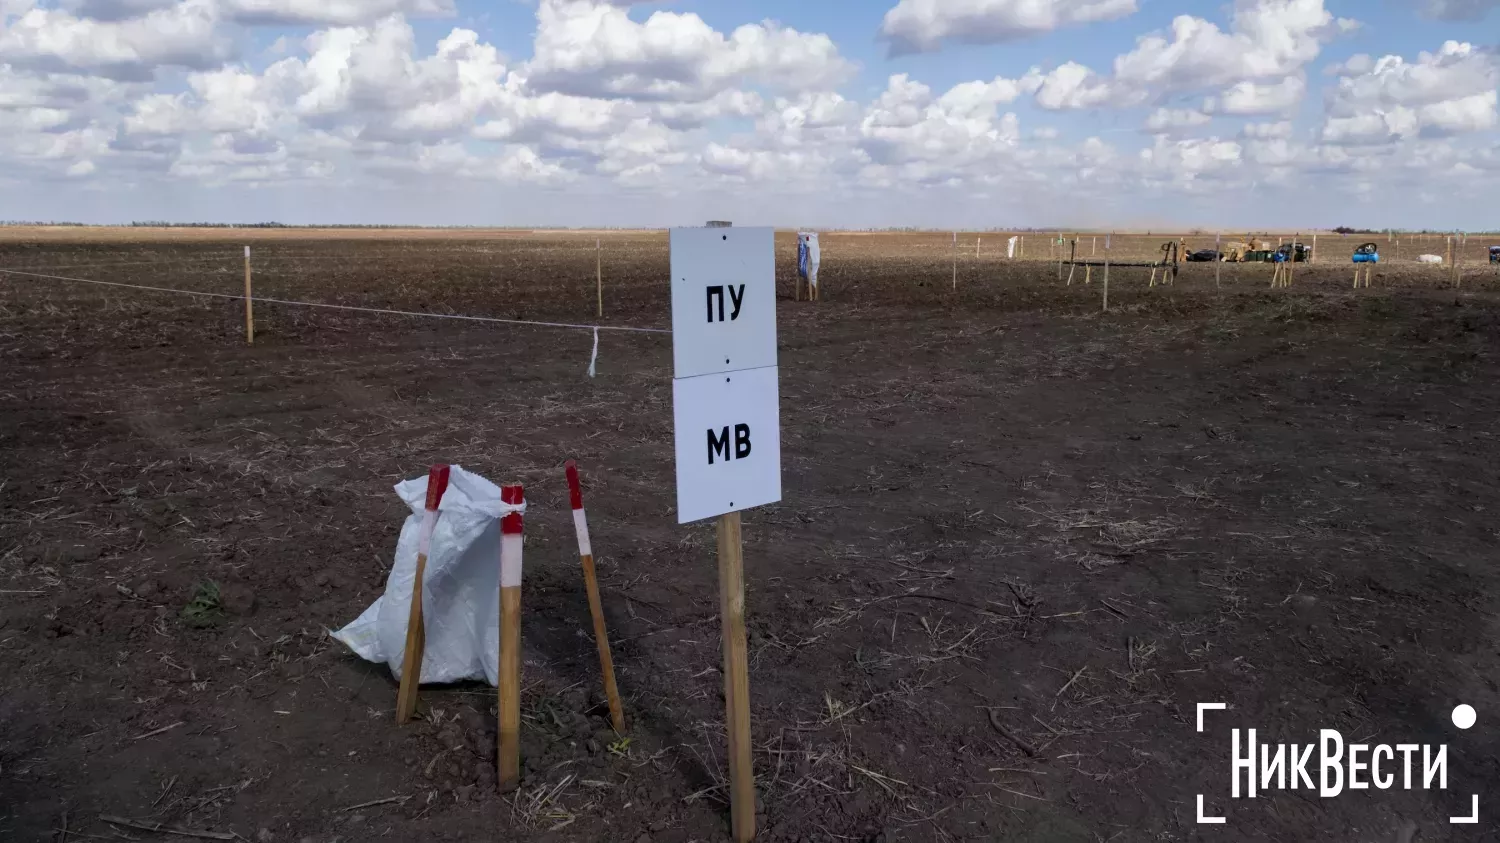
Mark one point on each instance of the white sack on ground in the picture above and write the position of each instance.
(809, 256)
(460, 592)
(1010, 247)
(1429, 258)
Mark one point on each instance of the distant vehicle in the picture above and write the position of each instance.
(1204, 256)
(1495, 254)
(1367, 253)
(1296, 252)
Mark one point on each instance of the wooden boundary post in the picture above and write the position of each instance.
(416, 637)
(596, 606)
(736, 678)
(599, 274)
(1106, 279)
(512, 526)
(249, 303)
(1218, 259)
(955, 261)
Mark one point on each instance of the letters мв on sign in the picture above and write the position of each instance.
(725, 396)
(723, 300)
(728, 442)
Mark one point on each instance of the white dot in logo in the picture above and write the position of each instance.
(1464, 716)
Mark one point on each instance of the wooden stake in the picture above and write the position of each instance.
(416, 638)
(511, 529)
(1314, 256)
(1218, 260)
(249, 304)
(955, 261)
(599, 274)
(596, 607)
(1106, 280)
(736, 678)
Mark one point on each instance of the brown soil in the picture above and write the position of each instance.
(1004, 514)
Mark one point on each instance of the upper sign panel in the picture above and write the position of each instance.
(723, 300)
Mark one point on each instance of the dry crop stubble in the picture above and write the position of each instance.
(1010, 522)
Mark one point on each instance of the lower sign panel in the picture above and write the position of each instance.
(728, 442)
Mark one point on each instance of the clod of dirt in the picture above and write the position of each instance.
(237, 600)
(452, 738)
(1305, 605)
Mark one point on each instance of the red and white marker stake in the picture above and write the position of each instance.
(416, 638)
(596, 608)
(511, 531)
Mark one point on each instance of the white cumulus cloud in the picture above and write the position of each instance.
(922, 25)
(593, 48)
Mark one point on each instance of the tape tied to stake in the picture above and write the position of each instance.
(594, 356)
(512, 525)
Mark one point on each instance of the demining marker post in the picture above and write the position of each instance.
(512, 526)
(599, 274)
(249, 304)
(596, 606)
(416, 637)
(727, 431)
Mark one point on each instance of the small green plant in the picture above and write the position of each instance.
(620, 747)
(206, 608)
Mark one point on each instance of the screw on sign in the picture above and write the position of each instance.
(727, 428)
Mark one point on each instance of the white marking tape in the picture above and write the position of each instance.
(347, 307)
(581, 525)
(424, 538)
(510, 560)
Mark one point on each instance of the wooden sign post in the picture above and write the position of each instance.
(249, 304)
(596, 607)
(512, 526)
(736, 677)
(726, 416)
(416, 638)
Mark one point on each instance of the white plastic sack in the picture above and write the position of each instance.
(1010, 247)
(814, 255)
(1429, 258)
(460, 591)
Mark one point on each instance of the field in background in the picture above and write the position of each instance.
(1019, 541)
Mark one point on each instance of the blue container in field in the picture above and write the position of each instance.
(1367, 253)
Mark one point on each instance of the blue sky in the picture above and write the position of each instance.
(928, 113)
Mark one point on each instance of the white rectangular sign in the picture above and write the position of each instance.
(728, 431)
(723, 300)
